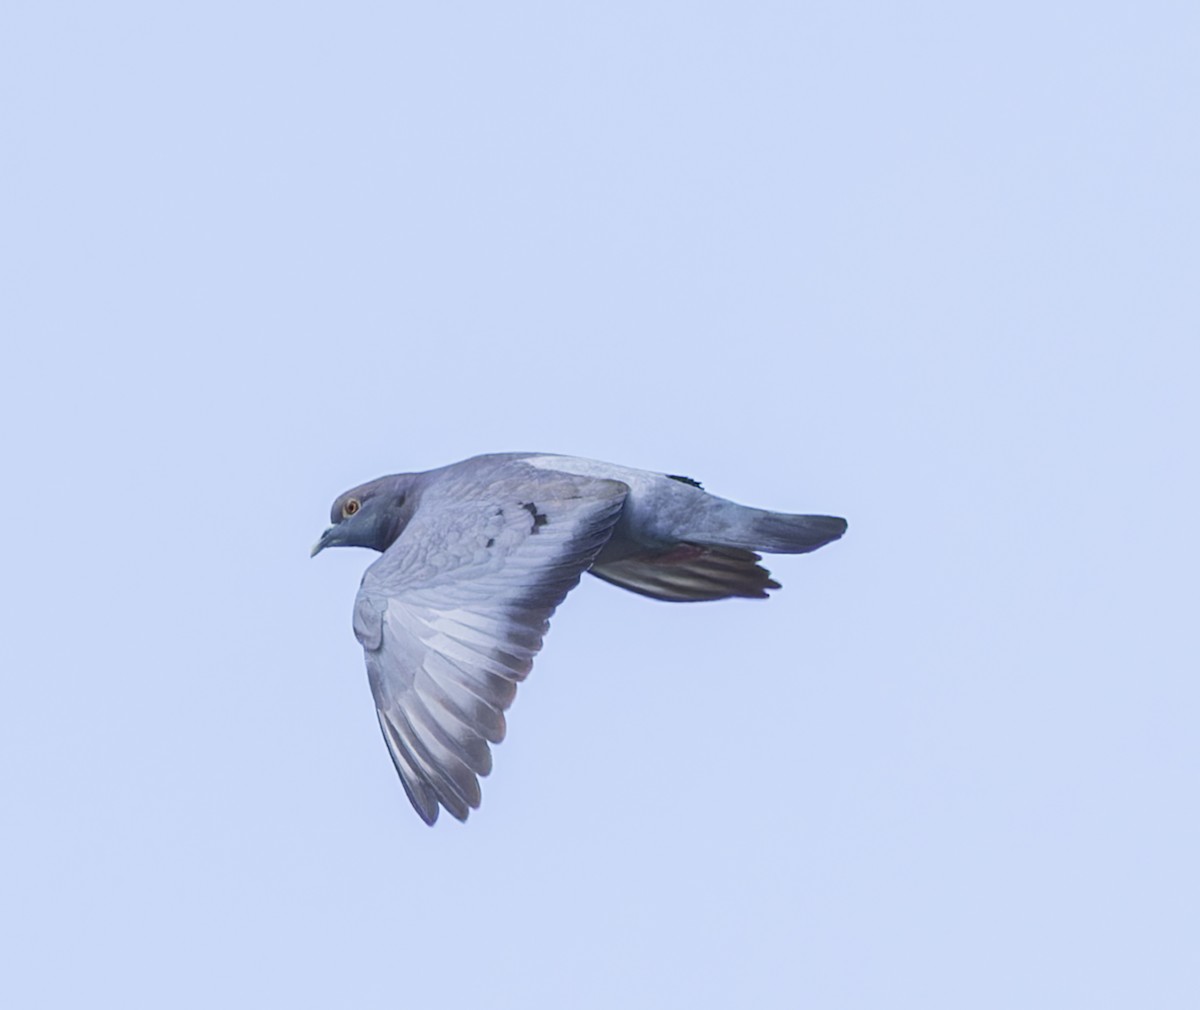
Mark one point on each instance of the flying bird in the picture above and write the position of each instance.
(477, 555)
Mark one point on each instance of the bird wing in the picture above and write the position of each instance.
(452, 614)
(685, 572)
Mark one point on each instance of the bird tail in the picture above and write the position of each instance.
(780, 533)
(730, 525)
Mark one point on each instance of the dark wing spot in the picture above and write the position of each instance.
(491, 542)
(686, 480)
(538, 518)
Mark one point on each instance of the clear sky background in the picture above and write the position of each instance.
(931, 266)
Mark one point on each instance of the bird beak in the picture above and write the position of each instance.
(321, 544)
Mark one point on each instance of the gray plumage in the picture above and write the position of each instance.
(476, 557)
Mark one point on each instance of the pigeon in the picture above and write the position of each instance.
(476, 556)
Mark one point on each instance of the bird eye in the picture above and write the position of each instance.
(350, 508)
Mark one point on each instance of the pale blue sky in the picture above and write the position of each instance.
(930, 266)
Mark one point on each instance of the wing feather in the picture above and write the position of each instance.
(427, 769)
(420, 793)
(450, 626)
(690, 572)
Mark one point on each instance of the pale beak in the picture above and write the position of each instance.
(321, 544)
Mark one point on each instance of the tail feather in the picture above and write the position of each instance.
(780, 533)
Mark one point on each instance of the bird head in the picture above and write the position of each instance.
(370, 515)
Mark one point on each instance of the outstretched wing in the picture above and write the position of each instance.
(452, 614)
(688, 572)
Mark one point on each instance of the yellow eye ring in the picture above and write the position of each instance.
(350, 508)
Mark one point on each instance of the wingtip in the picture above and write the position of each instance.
(427, 807)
